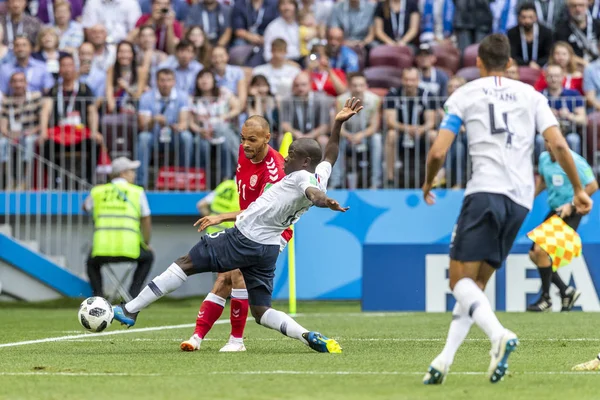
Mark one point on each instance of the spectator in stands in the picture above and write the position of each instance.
(229, 76)
(184, 65)
(308, 32)
(580, 30)
(122, 232)
(362, 142)
(472, 22)
(321, 9)
(388, 27)
(163, 118)
(530, 42)
(147, 54)
(409, 113)
(17, 23)
(504, 15)
(512, 72)
(69, 31)
(549, 12)
(562, 54)
(69, 122)
(104, 52)
(125, 81)
(214, 19)
(249, 19)
(38, 77)
(284, 27)
(567, 105)
(326, 80)
(341, 56)
(355, 18)
(591, 85)
(93, 77)
(306, 113)
(117, 16)
(47, 43)
(433, 80)
(6, 55)
(261, 101)
(48, 12)
(214, 114)
(436, 20)
(162, 18)
(202, 47)
(19, 122)
(279, 73)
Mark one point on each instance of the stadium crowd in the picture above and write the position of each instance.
(170, 82)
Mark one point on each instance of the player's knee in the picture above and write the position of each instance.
(223, 285)
(257, 312)
(186, 264)
(237, 280)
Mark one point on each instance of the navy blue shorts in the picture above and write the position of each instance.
(572, 220)
(228, 250)
(486, 228)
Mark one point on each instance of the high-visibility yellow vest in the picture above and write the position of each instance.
(226, 200)
(117, 214)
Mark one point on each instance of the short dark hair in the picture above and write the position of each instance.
(183, 45)
(494, 52)
(279, 44)
(21, 36)
(258, 120)
(165, 71)
(526, 7)
(66, 56)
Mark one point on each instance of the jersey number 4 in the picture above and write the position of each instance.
(499, 130)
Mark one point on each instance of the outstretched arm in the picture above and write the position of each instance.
(351, 108)
(320, 199)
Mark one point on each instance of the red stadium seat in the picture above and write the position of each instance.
(447, 57)
(529, 75)
(470, 55)
(383, 77)
(238, 55)
(381, 92)
(393, 56)
(469, 73)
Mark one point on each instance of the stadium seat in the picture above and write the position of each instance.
(118, 285)
(362, 56)
(470, 55)
(469, 73)
(239, 55)
(383, 77)
(392, 56)
(381, 92)
(529, 75)
(447, 57)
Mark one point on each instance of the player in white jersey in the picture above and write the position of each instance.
(254, 243)
(501, 117)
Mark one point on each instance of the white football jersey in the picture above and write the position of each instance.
(281, 205)
(501, 117)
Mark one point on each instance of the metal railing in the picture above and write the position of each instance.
(200, 152)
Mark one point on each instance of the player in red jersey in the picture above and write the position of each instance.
(258, 165)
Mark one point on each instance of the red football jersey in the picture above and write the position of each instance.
(252, 178)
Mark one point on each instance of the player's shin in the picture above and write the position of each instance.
(239, 312)
(459, 329)
(283, 323)
(472, 298)
(210, 311)
(163, 284)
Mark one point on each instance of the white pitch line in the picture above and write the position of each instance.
(42, 373)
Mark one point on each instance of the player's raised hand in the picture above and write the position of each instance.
(335, 206)
(583, 202)
(351, 108)
(428, 195)
(207, 221)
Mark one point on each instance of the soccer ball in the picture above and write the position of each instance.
(95, 314)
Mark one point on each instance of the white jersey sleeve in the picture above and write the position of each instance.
(544, 117)
(318, 180)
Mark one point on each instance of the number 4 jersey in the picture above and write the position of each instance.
(281, 205)
(502, 117)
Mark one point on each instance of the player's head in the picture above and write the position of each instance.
(255, 136)
(493, 55)
(303, 153)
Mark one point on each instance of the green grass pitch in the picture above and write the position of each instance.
(385, 357)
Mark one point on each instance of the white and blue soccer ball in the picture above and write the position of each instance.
(95, 314)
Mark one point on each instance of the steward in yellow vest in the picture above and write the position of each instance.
(122, 226)
(224, 199)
